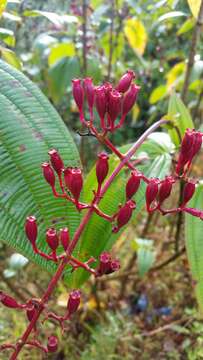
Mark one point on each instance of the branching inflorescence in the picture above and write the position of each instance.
(110, 103)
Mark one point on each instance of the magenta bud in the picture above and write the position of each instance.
(48, 173)
(73, 301)
(125, 81)
(102, 167)
(30, 312)
(132, 185)
(52, 239)
(165, 188)
(104, 264)
(151, 192)
(124, 214)
(31, 229)
(188, 192)
(74, 181)
(114, 106)
(187, 141)
(197, 143)
(78, 93)
(64, 237)
(56, 161)
(8, 301)
(89, 92)
(52, 344)
(101, 102)
(115, 265)
(130, 98)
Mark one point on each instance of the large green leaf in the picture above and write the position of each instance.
(98, 233)
(194, 245)
(180, 116)
(29, 127)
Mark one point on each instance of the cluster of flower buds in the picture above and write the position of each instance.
(107, 265)
(53, 239)
(110, 103)
(190, 146)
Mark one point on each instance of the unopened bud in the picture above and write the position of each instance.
(125, 81)
(130, 98)
(8, 301)
(124, 215)
(64, 237)
(114, 106)
(56, 161)
(90, 93)
(48, 173)
(104, 263)
(73, 301)
(102, 167)
(151, 192)
(188, 192)
(52, 239)
(101, 103)
(165, 188)
(132, 185)
(74, 181)
(31, 229)
(52, 344)
(78, 93)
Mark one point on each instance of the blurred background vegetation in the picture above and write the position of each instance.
(148, 310)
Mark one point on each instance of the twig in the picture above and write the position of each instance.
(111, 45)
(166, 327)
(84, 36)
(179, 220)
(194, 41)
(169, 260)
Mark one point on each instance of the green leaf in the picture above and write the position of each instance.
(187, 26)
(7, 36)
(60, 51)
(98, 233)
(180, 116)
(60, 76)
(29, 127)
(158, 94)
(145, 255)
(57, 20)
(170, 15)
(194, 245)
(10, 57)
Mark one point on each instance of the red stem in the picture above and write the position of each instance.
(52, 285)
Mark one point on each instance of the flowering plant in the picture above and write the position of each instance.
(112, 106)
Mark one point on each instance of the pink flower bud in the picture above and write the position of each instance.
(125, 81)
(52, 239)
(187, 141)
(197, 143)
(89, 92)
(65, 238)
(30, 312)
(56, 161)
(104, 264)
(132, 185)
(73, 301)
(78, 93)
(151, 192)
(31, 229)
(114, 106)
(8, 301)
(130, 98)
(74, 181)
(48, 173)
(188, 192)
(115, 265)
(101, 103)
(102, 167)
(52, 344)
(165, 188)
(124, 215)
